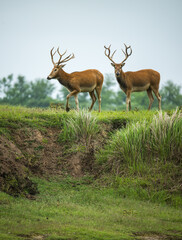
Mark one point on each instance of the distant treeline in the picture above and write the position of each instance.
(39, 93)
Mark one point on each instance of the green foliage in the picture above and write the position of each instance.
(152, 150)
(15, 117)
(166, 137)
(141, 146)
(120, 118)
(80, 127)
(110, 99)
(22, 92)
(39, 94)
(171, 95)
(5, 84)
(140, 100)
(144, 141)
(17, 94)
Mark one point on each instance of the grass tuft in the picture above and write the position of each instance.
(151, 151)
(80, 127)
(143, 142)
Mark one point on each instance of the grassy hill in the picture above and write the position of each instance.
(113, 175)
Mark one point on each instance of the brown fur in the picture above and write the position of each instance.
(143, 80)
(76, 82)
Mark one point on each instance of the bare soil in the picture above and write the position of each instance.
(34, 152)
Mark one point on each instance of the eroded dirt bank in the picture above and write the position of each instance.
(33, 152)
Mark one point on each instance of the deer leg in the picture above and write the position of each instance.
(151, 98)
(159, 101)
(128, 100)
(158, 96)
(98, 91)
(76, 101)
(130, 105)
(74, 92)
(92, 95)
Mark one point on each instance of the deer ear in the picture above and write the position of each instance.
(62, 66)
(113, 64)
(123, 65)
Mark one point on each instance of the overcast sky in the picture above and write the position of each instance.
(30, 28)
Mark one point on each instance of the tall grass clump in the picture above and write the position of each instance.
(81, 126)
(166, 137)
(148, 155)
(144, 143)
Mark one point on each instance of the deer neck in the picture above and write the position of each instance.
(122, 80)
(63, 78)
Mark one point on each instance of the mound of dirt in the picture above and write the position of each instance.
(34, 152)
(14, 178)
(40, 151)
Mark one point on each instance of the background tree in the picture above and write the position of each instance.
(21, 92)
(5, 84)
(108, 94)
(16, 94)
(39, 94)
(171, 96)
(120, 100)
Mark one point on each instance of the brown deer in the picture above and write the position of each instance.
(76, 82)
(143, 80)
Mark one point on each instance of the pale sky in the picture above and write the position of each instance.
(30, 28)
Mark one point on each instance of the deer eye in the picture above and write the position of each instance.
(55, 69)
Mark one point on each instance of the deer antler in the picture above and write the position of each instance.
(69, 57)
(109, 52)
(61, 55)
(126, 53)
(52, 54)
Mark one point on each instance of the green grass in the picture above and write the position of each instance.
(82, 126)
(14, 117)
(136, 187)
(159, 139)
(82, 209)
(121, 118)
(148, 154)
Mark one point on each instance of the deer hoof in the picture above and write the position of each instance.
(67, 109)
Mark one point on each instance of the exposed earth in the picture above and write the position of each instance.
(31, 151)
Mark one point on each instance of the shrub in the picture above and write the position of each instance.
(143, 143)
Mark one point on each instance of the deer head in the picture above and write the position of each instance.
(59, 65)
(117, 66)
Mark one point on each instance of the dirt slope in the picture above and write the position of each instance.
(34, 152)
